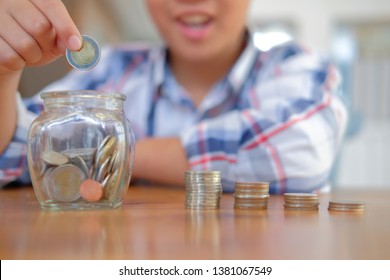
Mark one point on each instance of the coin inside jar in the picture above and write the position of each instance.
(64, 183)
(87, 57)
(54, 158)
(91, 190)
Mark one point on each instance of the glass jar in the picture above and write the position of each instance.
(81, 150)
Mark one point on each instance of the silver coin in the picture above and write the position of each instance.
(202, 175)
(79, 162)
(202, 207)
(345, 209)
(287, 207)
(85, 153)
(117, 161)
(103, 153)
(45, 183)
(203, 188)
(105, 150)
(301, 201)
(250, 185)
(87, 57)
(110, 187)
(202, 201)
(204, 180)
(250, 196)
(345, 205)
(102, 171)
(301, 195)
(202, 196)
(202, 172)
(108, 142)
(104, 142)
(314, 204)
(64, 183)
(250, 206)
(54, 158)
(106, 180)
(113, 163)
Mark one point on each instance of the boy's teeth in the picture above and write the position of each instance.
(194, 19)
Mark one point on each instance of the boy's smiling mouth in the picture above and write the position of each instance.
(194, 26)
(194, 21)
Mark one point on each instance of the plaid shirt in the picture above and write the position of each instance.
(275, 117)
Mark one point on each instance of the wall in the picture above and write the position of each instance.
(315, 19)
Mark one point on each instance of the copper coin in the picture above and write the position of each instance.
(91, 190)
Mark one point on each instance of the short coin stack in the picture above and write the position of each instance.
(78, 173)
(301, 201)
(203, 189)
(346, 206)
(251, 195)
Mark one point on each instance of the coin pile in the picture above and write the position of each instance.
(346, 205)
(251, 195)
(86, 173)
(301, 201)
(203, 189)
(85, 58)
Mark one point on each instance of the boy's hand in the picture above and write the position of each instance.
(34, 32)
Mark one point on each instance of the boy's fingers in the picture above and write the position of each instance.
(36, 24)
(9, 58)
(59, 18)
(19, 41)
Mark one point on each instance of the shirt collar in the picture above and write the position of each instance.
(243, 66)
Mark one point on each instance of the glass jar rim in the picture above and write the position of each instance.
(82, 94)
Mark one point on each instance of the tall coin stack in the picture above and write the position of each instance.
(301, 201)
(251, 195)
(203, 189)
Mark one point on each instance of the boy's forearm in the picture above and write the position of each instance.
(8, 115)
(161, 160)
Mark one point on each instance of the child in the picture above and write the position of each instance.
(209, 100)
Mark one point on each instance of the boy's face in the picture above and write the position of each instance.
(199, 29)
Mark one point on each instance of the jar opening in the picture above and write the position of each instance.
(81, 94)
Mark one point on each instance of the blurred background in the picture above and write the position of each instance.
(355, 33)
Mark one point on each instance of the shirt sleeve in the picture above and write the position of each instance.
(289, 135)
(13, 161)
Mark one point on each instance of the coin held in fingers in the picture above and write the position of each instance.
(87, 57)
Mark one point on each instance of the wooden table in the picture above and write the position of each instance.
(154, 224)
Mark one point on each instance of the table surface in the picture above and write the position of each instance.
(154, 224)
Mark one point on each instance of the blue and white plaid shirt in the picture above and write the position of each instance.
(275, 117)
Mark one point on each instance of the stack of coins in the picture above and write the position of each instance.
(346, 206)
(203, 189)
(301, 201)
(251, 195)
(87, 173)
